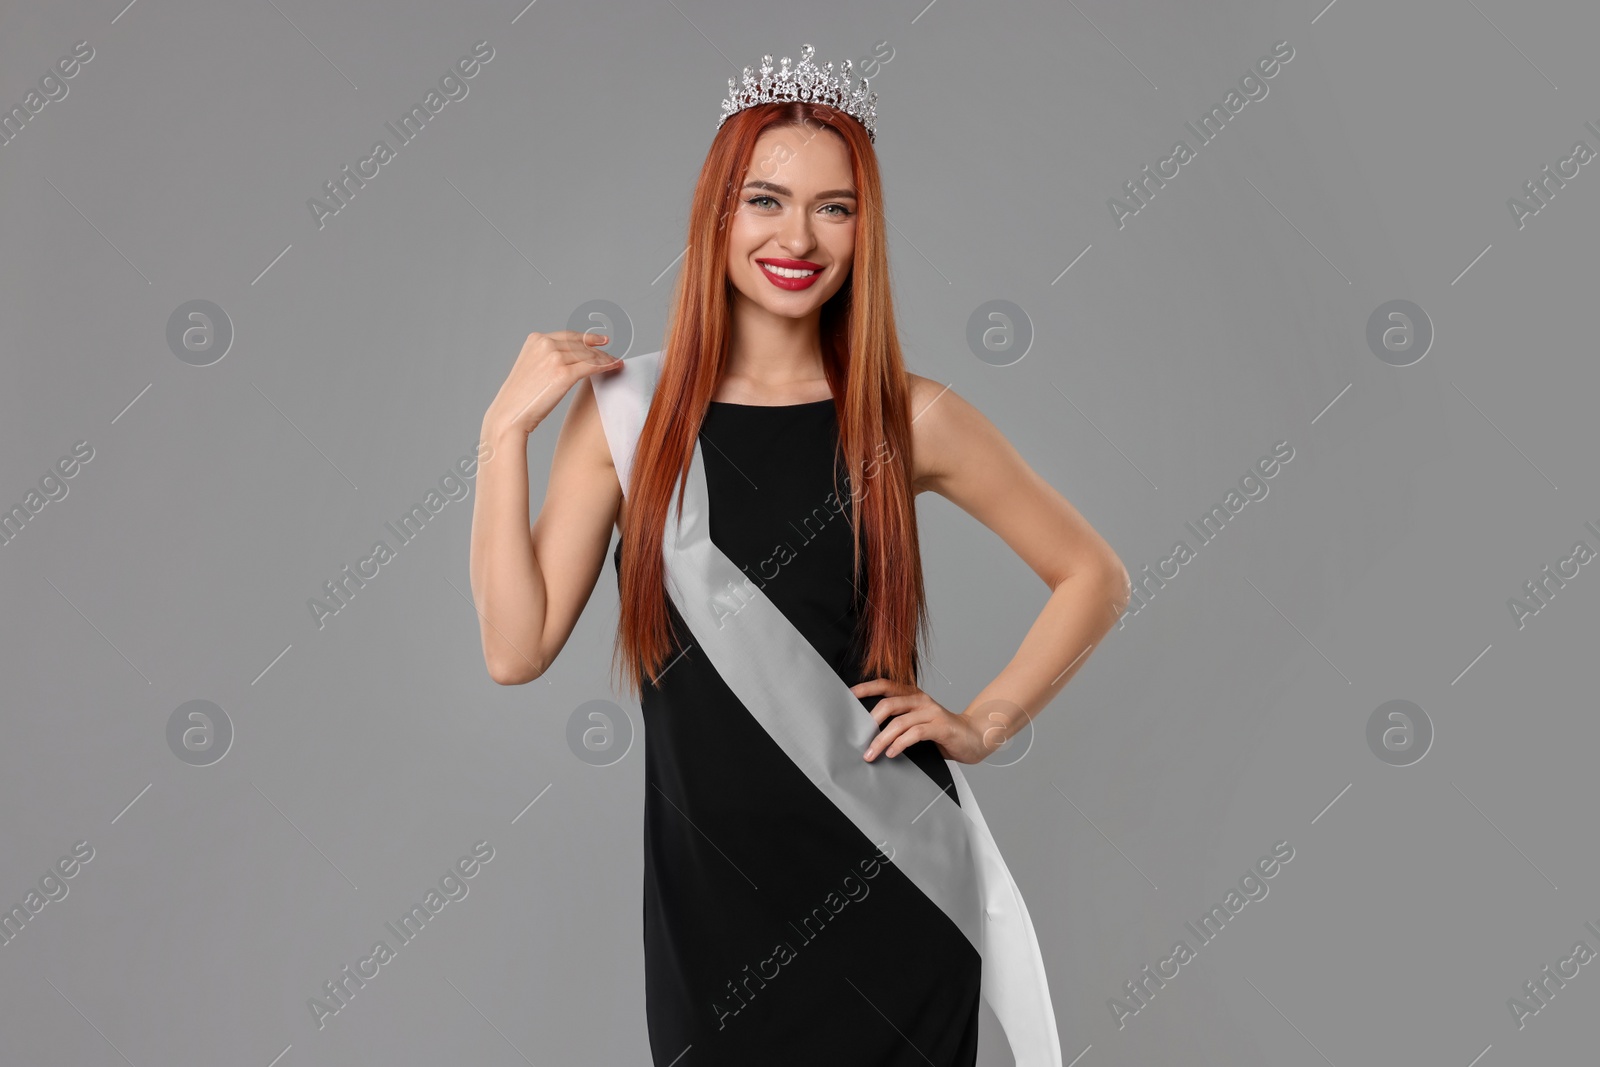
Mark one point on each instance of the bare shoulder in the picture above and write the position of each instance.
(582, 426)
(582, 453)
(944, 427)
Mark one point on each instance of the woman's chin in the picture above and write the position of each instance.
(787, 305)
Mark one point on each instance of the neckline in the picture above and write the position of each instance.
(771, 407)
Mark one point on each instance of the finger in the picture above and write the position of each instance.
(874, 686)
(889, 707)
(586, 352)
(579, 336)
(908, 737)
(887, 737)
(601, 360)
(574, 346)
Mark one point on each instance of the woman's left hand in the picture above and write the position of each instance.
(918, 717)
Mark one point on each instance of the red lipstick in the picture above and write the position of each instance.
(791, 282)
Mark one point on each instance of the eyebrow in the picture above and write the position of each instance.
(784, 190)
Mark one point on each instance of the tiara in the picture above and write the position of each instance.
(806, 82)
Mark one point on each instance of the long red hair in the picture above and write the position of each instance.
(862, 361)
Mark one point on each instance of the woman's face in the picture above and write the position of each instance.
(796, 212)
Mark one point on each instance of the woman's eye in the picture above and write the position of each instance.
(764, 201)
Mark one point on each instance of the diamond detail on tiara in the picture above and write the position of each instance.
(806, 82)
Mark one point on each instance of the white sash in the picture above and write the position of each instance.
(944, 848)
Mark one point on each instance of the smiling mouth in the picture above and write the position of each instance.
(791, 274)
(788, 272)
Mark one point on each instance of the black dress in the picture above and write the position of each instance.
(775, 932)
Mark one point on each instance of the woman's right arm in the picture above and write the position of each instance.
(531, 582)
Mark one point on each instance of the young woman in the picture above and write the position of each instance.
(819, 884)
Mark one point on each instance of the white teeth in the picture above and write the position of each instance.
(787, 272)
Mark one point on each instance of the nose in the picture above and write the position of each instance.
(795, 236)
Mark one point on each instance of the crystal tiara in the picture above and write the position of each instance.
(806, 82)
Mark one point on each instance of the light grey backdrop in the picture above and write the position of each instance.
(362, 756)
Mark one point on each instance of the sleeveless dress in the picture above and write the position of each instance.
(775, 930)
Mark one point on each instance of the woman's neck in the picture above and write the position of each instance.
(773, 353)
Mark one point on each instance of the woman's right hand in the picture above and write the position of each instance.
(548, 365)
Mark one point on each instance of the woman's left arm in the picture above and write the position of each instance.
(962, 456)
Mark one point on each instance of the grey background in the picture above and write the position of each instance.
(1226, 316)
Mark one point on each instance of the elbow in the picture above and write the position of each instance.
(1106, 579)
(1116, 583)
(515, 671)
